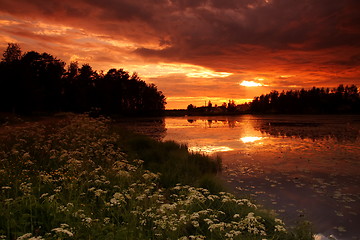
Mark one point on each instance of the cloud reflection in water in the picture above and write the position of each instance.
(250, 139)
(210, 149)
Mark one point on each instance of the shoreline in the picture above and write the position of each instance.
(91, 183)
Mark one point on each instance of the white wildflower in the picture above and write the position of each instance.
(195, 223)
(36, 238)
(62, 230)
(25, 236)
(280, 228)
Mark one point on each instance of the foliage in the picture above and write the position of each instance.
(230, 108)
(316, 100)
(34, 82)
(12, 53)
(72, 180)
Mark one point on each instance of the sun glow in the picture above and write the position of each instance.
(250, 84)
(208, 74)
(250, 139)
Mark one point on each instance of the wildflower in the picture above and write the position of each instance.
(195, 223)
(62, 230)
(25, 236)
(64, 225)
(229, 235)
(183, 238)
(197, 237)
(208, 221)
(253, 224)
(51, 198)
(279, 228)
(44, 195)
(119, 196)
(87, 220)
(279, 221)
(36, 238)
(98, 192)
(194, 216)
(26, 188)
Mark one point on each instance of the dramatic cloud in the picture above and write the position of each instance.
(195, 49)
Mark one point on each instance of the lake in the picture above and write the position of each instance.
(304, 167)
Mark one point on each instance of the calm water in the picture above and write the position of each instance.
(303, 167)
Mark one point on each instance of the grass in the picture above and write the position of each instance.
(172, 160)
(82, 178)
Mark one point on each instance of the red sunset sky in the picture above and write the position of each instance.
(197, 50)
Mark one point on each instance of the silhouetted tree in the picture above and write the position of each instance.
(121, 93)
(315, 100)
(69, 91)
(190, 107)
(12, 53)
(231, 107)
(10, 78)
(41, 82)
(37, 82)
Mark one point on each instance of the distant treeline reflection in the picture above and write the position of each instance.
(34, 82)
(314, 131)
(297, 129)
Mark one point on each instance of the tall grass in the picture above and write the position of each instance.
(79, 179)
(172, 160)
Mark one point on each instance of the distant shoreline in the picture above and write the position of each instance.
(184, 112)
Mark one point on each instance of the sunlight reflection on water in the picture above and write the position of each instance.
(303, 167)
(250, 139)
(210, 149)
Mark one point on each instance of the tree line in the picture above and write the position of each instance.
(230, 108)
(340, 100)
(39, 82)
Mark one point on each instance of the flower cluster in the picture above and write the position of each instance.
(70, 179)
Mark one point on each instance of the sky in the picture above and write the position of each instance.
(197, 50)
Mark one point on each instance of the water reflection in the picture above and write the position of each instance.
(210, 149)
(152, 127)
(310, 130)
(214, 122)
(298, 165)
(303, 127)
(250, 139)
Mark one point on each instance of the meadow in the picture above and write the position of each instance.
(85, 178)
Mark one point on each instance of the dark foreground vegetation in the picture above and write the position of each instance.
(40, 83)
(83, 178)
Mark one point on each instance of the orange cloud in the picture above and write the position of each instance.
(197, 48)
